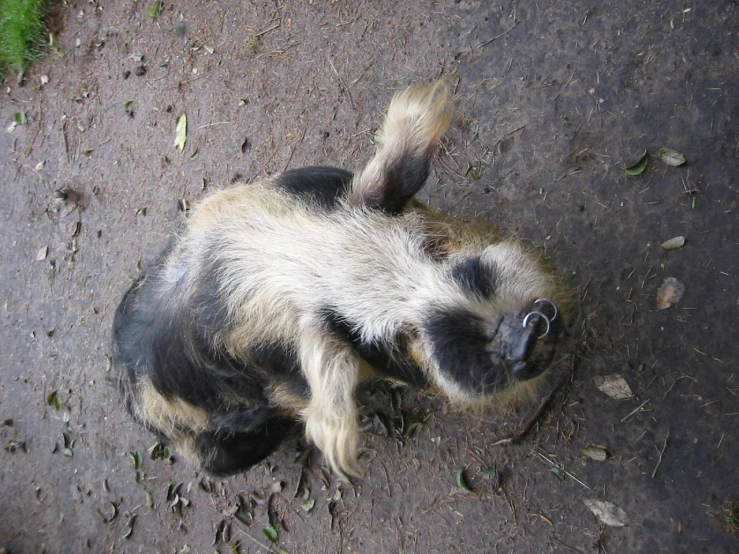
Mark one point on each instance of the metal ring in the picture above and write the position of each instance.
(528, 315)
(552, 304)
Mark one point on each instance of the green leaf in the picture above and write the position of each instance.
(20, 118)
(160, 452)
(490, 473)
(53, 399)
(558, 473)
(462, 481)
(138, 460)
(474, 170)
(271, 533)
(68, 452)
(181, 137)
(671, 157)
(639, 167)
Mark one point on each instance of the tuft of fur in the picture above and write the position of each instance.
(280, 297)
(415, 121)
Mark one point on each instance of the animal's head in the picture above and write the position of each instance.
(492, 320)
(499, 326)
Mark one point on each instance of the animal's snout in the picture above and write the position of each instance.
(525, 342)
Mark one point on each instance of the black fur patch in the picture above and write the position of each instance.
(474, 276)
(280, 364)
(459, 348)
(321, 186)
(225, 452)
(172, 346)
(210, 311)
(395, 364)
(404, 178)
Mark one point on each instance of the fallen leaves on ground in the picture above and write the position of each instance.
(674, 243)
(671, 157)
(607, 512)
(670, 293)
(181, 133)
(614, 386)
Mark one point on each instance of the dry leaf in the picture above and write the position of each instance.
(595, 453)
(608, 513)
(181, 138)
(674, 243)
(671, 157)
(671, 292)
(614, 386)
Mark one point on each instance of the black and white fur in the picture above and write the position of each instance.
(282, 295)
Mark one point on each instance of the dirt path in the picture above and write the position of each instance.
(554, 99)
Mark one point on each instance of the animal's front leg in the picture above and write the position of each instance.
(331, 368)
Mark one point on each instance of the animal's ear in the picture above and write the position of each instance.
(415, 121)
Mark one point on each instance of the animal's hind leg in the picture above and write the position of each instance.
(224, 452)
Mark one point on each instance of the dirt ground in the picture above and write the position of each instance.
(554, 100)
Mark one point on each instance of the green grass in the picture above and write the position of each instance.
(22, 32)
(155, 9)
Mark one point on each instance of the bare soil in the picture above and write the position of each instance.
(554, 100)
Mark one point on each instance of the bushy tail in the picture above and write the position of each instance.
(415, 121)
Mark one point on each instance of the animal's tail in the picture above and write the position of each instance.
(415, 121)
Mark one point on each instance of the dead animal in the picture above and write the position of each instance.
(280, 297)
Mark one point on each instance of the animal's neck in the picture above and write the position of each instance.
(388, 282)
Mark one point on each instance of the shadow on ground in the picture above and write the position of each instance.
(554, 99)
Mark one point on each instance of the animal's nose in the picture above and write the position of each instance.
(524, 342)
(536, 324)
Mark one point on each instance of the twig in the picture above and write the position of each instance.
(675, 383)
(488, 41)
(523, 429)
(661, 452)
(212, 124)
(547, 460)
(268, 30)
(66, 142)
(646, 276)
(292, 150)
(263, 545)
(639, 407)
(342, 83)
(567, 545)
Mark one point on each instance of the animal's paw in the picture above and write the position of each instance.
(337, 436)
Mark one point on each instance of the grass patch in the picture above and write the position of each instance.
(22, 32)
(730, 518)
(155, 9)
